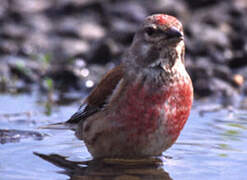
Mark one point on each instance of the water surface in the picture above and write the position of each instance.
(213, 145)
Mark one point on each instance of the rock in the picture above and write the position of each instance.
(104, 51)
(63, 78)
(91, 31)
(29, 6)
(100, 31)
(70, 48)
(202, 3)
(13, 135)
(131, 10)
(225, 92)
(8, 47)
(23, 68)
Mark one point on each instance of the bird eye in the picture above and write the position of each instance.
(149, 31)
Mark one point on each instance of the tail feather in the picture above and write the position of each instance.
(59, 126)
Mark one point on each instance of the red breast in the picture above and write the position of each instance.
(145, 109)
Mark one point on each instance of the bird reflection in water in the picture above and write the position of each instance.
(149, 169)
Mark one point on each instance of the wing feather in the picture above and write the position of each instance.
(98, 97)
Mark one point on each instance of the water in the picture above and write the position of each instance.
(213, 145)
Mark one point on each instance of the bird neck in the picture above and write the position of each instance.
(172, 59)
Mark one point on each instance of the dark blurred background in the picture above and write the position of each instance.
(69, 44)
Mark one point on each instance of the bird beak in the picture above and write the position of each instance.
(173, 33)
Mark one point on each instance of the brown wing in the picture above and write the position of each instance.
(97, 98)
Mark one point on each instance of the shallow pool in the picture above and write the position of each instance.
(213, 145)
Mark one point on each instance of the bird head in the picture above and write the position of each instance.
(158, 43)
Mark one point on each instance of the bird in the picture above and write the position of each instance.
(139, 108)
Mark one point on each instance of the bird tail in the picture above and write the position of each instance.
(59, 126)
